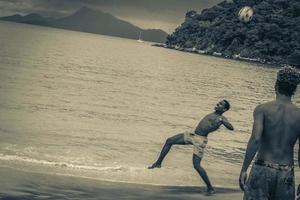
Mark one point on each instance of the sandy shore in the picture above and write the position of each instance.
(17, 184)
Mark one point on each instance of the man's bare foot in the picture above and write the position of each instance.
(210, 192)
(155, 165)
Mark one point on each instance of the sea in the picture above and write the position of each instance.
(100, 107)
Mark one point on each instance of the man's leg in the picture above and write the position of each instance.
(285, 186)
(258, 184)
(298, 192)
(177, 139)
(202, 173)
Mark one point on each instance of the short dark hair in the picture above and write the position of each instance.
(287, 81)
(227, 104)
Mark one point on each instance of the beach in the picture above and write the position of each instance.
(17, 184)
(82, 116)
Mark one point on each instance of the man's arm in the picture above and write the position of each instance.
(227, 124)
(299, 152)
(253, 143)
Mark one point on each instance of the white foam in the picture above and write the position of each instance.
(58, 164)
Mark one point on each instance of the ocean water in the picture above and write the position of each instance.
(87, 105)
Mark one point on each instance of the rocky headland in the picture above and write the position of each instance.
(272, 36)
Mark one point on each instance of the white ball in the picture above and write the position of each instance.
(246, 14)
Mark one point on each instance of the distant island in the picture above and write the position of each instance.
(93, 21)
(272, 36)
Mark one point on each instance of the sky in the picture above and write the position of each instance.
(162, 14)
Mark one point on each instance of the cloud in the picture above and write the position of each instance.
(14, 6)
(144, 13)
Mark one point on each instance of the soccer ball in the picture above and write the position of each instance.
(246, 14)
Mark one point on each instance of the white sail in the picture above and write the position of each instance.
(140, 37)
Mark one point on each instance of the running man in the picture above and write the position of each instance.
(198, 139)
(276, 129)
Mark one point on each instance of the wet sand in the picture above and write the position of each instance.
(17, 185)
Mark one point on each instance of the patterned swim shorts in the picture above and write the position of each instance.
(270, 182)
(199, 142)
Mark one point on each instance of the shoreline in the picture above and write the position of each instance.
(219, 55)
(18, 184)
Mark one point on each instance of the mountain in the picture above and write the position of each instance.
(272, 36)
(33, 18)
(93, 21)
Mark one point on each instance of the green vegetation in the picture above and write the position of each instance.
(272, 36)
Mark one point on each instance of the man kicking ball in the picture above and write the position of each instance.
(198, 139)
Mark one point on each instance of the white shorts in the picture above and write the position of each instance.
(198, 141)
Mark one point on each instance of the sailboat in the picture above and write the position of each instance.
(140, 37)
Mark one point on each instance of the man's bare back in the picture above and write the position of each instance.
(276, 128)
(280, 133)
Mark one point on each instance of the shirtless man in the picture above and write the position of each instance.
(198, 139)
(276, 129)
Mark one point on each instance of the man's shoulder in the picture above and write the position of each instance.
(273, 105)
(266, 105)
(296, 109)
(211, 114)
(262, 107)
